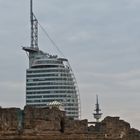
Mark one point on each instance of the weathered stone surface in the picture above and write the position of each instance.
(9, 121)
(76, 126)
(37, 120)
(52, 124)
(115, 128)
(133, 134)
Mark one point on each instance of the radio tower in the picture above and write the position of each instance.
(97, 114)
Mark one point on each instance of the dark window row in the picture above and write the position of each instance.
(47, 96)
(72, 113)
(50, 92)
(47, 66)
(51, 70)
(48, 75)
(52, 79)
(75, 109)
(52, 87)
(48, 61)
(40, 101)
(39, 105)
(50, 83)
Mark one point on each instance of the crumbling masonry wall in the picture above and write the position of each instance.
(52, 124)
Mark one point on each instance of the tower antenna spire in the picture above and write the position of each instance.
(31, 11)
(97, 114)
(34, 27)
(33, 48)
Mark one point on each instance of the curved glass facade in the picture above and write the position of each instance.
(50, 78)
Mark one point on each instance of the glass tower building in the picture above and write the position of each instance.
(49, 78)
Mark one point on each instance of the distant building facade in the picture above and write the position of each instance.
(49, 79)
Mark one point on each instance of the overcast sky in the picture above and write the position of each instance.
(101, 39)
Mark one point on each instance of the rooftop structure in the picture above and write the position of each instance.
(49, 78)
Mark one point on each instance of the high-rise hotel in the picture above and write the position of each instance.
(49, 78)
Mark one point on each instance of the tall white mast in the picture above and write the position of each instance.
(34, 27)
(33, 49)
